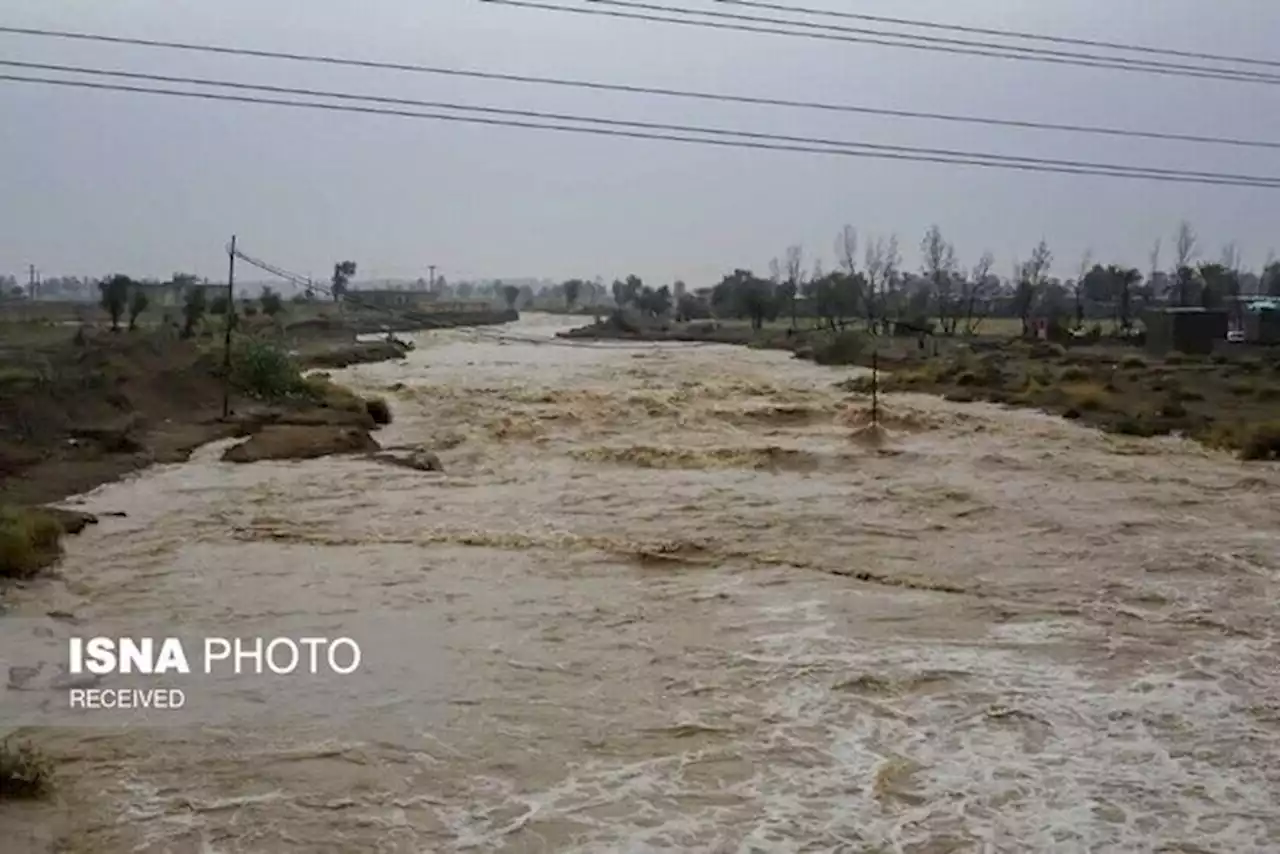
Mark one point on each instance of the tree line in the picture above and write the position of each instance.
(873, 286)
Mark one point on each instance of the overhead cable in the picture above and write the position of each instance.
(1013, 34)
(924, 43)
(618, 128)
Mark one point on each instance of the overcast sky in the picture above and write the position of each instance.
(95, 182)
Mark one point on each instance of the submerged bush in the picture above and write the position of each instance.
(29, 541)
(1261, 441)
(843, 349)
(378, 410)
(24, 771)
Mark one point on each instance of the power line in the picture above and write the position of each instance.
(664, 92)
(1025, 52)
(848, 149)
(930, 44)
(654, 126)
(1016, 34)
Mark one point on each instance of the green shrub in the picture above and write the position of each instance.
(842, 349)
(324, 392)
(24, 771)
(1136, 426)
(1073, 374)
(265, 371)
(1260, 441)
(29, 541)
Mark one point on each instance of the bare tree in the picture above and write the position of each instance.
(892, 266)
(1231, 263)
(875, 278)
(976, 293)
(795, 277)
(847, 258)
(1031, 280)
(1086, 264)
(940, 269)
(847, 249)
(1232, 257)
(1185, 253)
(1154, 257)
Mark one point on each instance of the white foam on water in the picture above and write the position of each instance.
(1006, 751)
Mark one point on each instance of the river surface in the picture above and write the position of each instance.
(679, 598)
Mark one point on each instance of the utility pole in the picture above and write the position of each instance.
(431, 283)
(231, 310)
(875, 389)
(32, 287)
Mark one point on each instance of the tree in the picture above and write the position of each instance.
(341, 281)
(940, 269)
(193, 309)
(743, 294)
(1031, 278)
(795, 278)
(875, 276)
(510, 293)
(851, 294)
(572, 290)
(892, 268)
(655, 303)
(137, 305)
(272, 305)
(1185, 253)
(115, 297)
(1154, 258)
(1078, 291)
(1215, 284)
(1232, 261)
(974, 295)
(1271, 278)
(1123, 281)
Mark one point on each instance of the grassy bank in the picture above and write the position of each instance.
(1229, 401)
(78, 410)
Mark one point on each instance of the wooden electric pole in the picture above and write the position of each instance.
(226, 344)
(875, 389)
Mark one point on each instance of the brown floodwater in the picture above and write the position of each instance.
(680, 598)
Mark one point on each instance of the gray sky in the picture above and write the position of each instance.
(97, 182)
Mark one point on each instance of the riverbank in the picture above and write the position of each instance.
(84, 407)
(1229, 401)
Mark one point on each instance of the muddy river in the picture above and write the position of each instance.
(679, 598)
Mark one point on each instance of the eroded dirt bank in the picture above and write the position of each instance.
(679, 600)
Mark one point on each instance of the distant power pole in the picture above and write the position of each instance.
(431, 283)
(33, 288)
(231, 311)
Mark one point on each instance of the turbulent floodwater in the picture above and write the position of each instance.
(673, 598)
